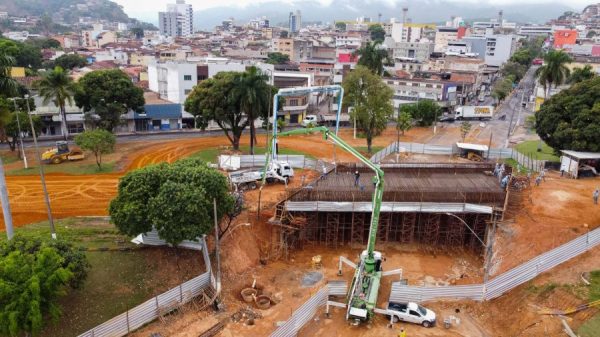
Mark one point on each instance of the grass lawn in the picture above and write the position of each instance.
(530, 148)
(117, 280)
(9, 157)
(591, 328)
(66, 167)
(210, 155)
(364, 150)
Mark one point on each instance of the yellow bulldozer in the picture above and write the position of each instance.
(61, 153)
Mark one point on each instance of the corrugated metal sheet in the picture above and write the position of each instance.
(337, 288)
(151, 239)
(432, 149)
(391, 207)
(504, 282)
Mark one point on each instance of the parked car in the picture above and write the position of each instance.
(447, 118)
(412, 313)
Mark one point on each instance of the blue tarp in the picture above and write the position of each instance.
(160, 111)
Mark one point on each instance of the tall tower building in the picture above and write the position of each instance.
(295, 22)
(178, 20)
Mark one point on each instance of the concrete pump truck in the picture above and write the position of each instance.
(362, 295)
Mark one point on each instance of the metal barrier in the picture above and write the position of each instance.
(309, 309)
(154, 308)
(504, 282)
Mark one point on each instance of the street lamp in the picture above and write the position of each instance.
(41, 165)
(14, 99)
(486, 246)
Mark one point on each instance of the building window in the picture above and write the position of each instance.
(293, 102)
(187, 91)
(187, 77)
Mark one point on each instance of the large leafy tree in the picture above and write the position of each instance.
(424, 112)
(33, 276)
(11, 128)
(57, 87)
(373, 56)
(216, 99)
(254, 94)
(554, 71)
(371, 101)
(26, 55)
(176, 199)
(97, 141)
(517, 70)
(69, 61)
(109, 94)
(277, 58)
(582, 74)
(570, 120)
(377, 33)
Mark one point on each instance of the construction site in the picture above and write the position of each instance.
(422, 203)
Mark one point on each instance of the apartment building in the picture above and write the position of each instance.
(408, 91)
(419, 51)
(173, 81)
(178, 20)
(443, 35)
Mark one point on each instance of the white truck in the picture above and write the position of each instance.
(412, 313)
(248, 179)
(325, 119)
(474, 112)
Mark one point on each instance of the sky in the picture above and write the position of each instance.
(147, 10)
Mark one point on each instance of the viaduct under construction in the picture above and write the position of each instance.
(423, 203)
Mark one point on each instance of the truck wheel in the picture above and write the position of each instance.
(56, 160)
(394, 319)
(426, 324)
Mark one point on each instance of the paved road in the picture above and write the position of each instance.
(514, 115)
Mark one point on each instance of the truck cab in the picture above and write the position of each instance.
(309, 120)
(412, 313)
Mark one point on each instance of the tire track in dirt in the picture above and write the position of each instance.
(89, 195)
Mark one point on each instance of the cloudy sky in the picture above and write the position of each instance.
(148, 9)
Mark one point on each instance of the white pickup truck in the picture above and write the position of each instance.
(412, 313)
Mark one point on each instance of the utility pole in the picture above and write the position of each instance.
(42, 177)
(217, 248)
(5, 204)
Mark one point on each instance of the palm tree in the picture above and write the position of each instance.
(373, 56)
(8, 86)
(554, 71)
(57, 87)
(253, 93)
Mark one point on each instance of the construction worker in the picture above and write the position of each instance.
(402, 333)
(324, 172)
(543, 174)
(596, 195)
(504, 182)
(356, 178)
(538, 180)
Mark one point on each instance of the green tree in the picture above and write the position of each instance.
(8, 86)
(371, 100)
(465, 128)
(522, 56)
(33, 276)
(582, 74)
(517, 70)
(424, 112)
(570, 120)
(12, 127)
(254, 97)
(404, 121)
(216, 99)
(502, 88)
(554, 71)
(109, 94)
(43, 43)
(277, 58)
(137, 32)
(377, 33)
(176, 199)
(98, 141)
(57, 87)
(591, 34)
(373, 56)
(69, 61)
(340, 26)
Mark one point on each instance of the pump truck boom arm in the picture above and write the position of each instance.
(362, 296)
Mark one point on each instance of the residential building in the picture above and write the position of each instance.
(295, 22)
(173, 81)
(535, 30)
(445, 34)
(97, 38)
(411, 90)
(68, 41)
(284, 46)
(178, 20)
(348, 39)
(419, 51)
(563, 37)
(494, 49)
(295, 107)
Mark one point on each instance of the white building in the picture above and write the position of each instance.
(173, 81)
(535, 30)
(178, 20)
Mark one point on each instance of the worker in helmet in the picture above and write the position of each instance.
(402, 333)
